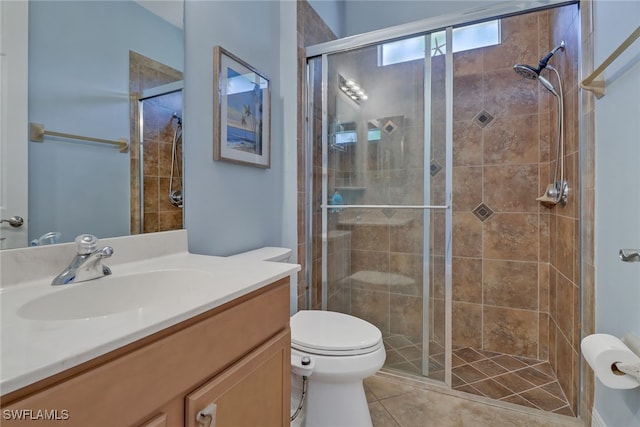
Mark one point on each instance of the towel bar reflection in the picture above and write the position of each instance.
(37, 133)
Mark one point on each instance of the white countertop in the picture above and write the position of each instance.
(32, 350)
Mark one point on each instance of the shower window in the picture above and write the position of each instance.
(464, 38)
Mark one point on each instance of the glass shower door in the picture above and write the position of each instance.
(379, 190)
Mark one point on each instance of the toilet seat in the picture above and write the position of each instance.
(333, 334)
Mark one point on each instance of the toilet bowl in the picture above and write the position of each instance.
(341, 351)
(345, 350)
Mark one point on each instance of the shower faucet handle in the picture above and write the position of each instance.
(630, 255)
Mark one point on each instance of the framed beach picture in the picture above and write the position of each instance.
(242, 111)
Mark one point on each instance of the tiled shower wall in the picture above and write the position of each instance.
(382, 282)
(564, 278)
(500, 232)
(159, 128)
(311, 30)
(515, 265)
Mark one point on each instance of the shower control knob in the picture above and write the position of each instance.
(305, 360)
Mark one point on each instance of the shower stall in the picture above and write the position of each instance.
(426, 154)
(160, 163)
(155, 93)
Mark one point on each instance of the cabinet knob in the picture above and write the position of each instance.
(207, 416)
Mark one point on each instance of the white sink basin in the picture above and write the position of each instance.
(115, 294)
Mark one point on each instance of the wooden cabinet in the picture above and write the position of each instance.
(254, 392)
(157, 421)
(236, 355)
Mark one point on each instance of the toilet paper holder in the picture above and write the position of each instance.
(622, 368)
(615, 361)
(633, 369)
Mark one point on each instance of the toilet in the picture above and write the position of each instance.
(340, 351)
(345, 350)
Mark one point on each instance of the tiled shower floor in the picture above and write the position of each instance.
(513, 379)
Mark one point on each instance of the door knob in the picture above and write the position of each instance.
(14, 221)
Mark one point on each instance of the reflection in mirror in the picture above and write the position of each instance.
(365, 156)
(386, 140)
(156, 100)
(90, 63)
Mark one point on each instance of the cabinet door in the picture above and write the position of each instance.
(254, 392)
(157, 421)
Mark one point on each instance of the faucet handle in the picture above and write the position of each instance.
(106, 252)
(86, 244)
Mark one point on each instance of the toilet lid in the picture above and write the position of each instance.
(331, 333)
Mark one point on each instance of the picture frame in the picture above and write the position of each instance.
(242, 111)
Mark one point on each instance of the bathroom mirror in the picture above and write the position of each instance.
(80, 78)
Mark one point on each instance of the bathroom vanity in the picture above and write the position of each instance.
(229, 356)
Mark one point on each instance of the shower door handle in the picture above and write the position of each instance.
(630, 255)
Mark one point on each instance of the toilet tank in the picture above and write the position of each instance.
(268, 253)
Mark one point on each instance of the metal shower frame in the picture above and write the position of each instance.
(426, 26)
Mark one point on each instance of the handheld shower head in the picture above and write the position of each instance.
(547, 84)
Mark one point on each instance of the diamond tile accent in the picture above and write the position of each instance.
(483, 212)
(434, 168)
(483, 118)
(389, 127)
(388, 212)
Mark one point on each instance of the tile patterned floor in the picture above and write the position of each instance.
(394, 404)
(523, 381)
(404, 355)
(519, 380)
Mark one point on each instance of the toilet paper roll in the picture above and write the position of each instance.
(602, 351)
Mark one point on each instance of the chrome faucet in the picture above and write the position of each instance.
(87, 264)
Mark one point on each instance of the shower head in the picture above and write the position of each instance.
(526, 71)
(533, 73)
